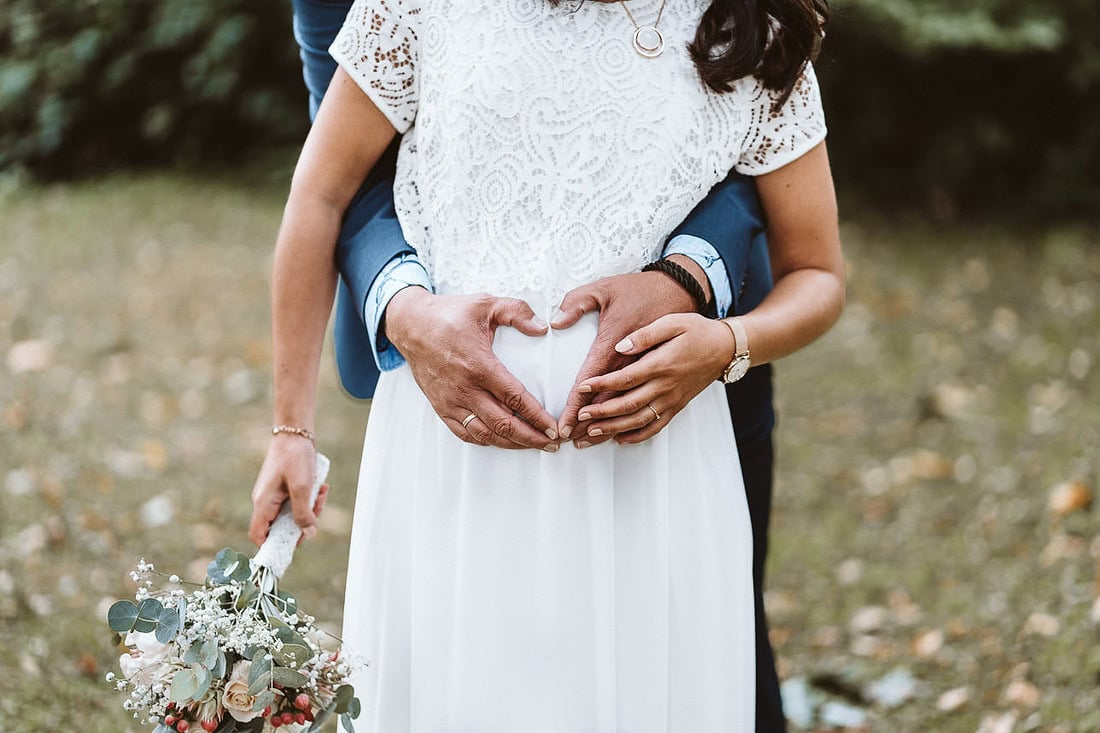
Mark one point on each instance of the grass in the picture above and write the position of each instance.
(917, 447)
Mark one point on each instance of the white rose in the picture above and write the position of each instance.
(144, 660)
(235, 697)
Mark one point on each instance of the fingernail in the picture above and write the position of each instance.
(584, 416)
(624, 346)
(566, 431)
(552, 448)
(585, 388)
(583, 444)
(595, 432)
(539, 323)
(551, 433)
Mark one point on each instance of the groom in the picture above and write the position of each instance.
(721, 243)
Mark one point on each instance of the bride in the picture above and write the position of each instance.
(548, 145)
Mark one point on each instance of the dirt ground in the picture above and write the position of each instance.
(934, 561)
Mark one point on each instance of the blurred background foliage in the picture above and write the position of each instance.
(948, 107)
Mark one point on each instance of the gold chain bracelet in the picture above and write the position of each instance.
(291, 430)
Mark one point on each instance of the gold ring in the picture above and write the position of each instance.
(656, 414)
(469, 419)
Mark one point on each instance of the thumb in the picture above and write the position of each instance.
(575, 304)
(646, 337)
(517, 314)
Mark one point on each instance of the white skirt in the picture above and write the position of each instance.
(606, 590)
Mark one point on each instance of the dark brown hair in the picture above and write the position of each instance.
(735, 39)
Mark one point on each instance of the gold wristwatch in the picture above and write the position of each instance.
(741, 359)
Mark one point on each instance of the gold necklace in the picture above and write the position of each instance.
(648, 41)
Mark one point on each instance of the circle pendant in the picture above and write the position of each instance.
(649, 42)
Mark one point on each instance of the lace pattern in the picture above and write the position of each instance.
(542, 151)
(377, 46)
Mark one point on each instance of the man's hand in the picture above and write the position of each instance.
(287, 473)
(626, 303)
(448, 343)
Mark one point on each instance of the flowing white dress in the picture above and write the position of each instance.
(606, 590)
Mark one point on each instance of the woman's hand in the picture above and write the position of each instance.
(625, 303)
(680, 355)
(287, 473)
(448, 343)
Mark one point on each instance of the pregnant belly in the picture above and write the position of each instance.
(547, 365)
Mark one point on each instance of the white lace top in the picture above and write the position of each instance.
(541, 151)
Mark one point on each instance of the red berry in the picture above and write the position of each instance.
(309, 715)
(300, 718)
(209, 725)
(302, 701)
(276, 721)
(288, 718)
(170, 719)
(266, 712)
(182, 726)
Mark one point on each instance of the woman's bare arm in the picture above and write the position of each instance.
(807, 265)
(683, 353)
(348, 137)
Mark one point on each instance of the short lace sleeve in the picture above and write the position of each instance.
(777, 137)
(377, 47)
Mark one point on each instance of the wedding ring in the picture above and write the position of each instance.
(469, 419)
(656, 415)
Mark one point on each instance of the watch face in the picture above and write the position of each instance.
(736, 370)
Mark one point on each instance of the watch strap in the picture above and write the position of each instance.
(740, 337)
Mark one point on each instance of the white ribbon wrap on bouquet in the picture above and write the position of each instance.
(277, 550)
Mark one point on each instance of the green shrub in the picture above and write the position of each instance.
(91, 84)
(985, 105)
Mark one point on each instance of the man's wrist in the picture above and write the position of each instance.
(696, 272)
(394, 317)
(663, 289)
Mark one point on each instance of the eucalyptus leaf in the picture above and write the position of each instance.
(162, 728)
(289, 677)
(261, 665)
(264, 699)
(184, 685)
(121, 616)
(259, 678)
(354, 707)
(193, 654)
(293, 655)
(343, 698)
(204, 678)
(219, 667)
(261, 683)
(169, 625)
(249, 593)
(209, 653)
(345, 721)
(290, 603)
(148, 617)
(217, 571)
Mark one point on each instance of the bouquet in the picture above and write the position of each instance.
(233, 654)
